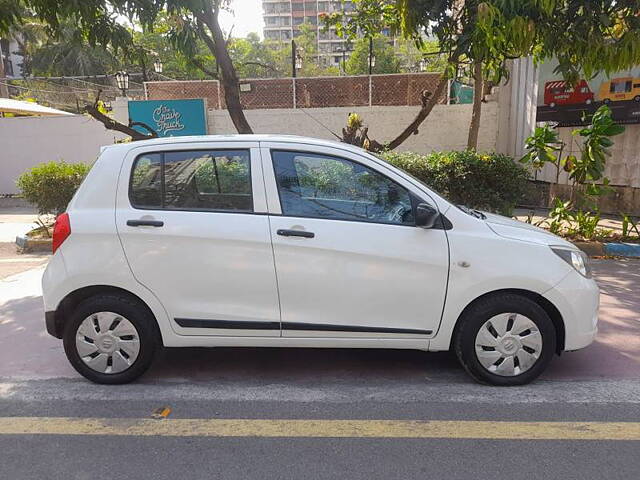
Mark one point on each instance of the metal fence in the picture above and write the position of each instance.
(307, 92)
(70, 93)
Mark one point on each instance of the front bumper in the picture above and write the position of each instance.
(578, 299)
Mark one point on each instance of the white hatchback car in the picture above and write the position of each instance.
(279, 241)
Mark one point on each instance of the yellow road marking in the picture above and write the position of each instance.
(321, 428)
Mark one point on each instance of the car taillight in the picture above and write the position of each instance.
(61, 230)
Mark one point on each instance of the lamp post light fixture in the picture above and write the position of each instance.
(423, 65)
(157, 65)
(122, 80)
(296, 58)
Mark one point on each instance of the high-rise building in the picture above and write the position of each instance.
(282, 19)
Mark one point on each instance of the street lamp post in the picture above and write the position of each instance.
(122, 80)
(372, 57)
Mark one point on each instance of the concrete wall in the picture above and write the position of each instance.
(29, 141)
(446, 128)
(517, 99)
(623, 166)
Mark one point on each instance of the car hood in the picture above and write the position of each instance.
(517, 230)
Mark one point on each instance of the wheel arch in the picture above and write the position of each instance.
(74, 298)
(545, 304)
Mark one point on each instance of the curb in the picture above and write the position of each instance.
(29, 245)
(622, 249)
(598, 249)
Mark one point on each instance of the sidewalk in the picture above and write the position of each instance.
(13, 222)
(607, 222)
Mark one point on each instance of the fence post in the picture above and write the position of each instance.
(294, 93)
(370, 90)
(219, 97)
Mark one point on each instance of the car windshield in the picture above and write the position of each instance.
(464, 208)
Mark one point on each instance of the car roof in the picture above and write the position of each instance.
(252, 138)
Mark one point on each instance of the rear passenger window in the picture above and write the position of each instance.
(146, 181)
(218, 180)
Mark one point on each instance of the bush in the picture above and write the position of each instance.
(491, 181)
(50, 186)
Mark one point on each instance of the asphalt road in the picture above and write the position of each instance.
(244, 413)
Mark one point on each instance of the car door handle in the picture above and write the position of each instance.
(145, 223)
(295, 233)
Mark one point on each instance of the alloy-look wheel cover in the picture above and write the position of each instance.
(508, 344)
(107, 342)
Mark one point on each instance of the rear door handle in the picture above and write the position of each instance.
(145, 223)
(295, 233)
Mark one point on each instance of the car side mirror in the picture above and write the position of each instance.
(426, 215)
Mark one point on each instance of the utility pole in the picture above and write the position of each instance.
(370, 55)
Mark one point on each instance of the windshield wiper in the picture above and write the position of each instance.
(473, 213)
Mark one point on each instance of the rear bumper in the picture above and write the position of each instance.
(54, 327)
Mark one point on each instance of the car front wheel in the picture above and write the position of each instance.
(110, 339)
(505, 340)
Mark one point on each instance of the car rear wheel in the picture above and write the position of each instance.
(110, 339)
(505, 340)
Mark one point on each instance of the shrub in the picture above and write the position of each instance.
(50, 186)
(490, 181)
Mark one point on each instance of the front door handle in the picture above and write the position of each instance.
(145, 223)
(295, 233)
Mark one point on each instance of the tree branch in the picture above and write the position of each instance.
(112, 124)
(429, 100)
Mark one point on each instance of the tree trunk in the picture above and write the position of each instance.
(4, 91)
(229, 76)
(478, 92)
(429, 100)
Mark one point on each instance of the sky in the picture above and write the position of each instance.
(246, 18)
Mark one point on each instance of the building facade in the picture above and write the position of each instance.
(282, 19)
(11, 59)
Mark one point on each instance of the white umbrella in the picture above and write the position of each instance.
(9, 105)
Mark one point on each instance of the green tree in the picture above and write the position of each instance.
(425, 58)
(384, 54)
(585, 37)
(69, 54)
(307, 45)
(98, 22)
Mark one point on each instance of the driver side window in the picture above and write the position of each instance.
(324, 186)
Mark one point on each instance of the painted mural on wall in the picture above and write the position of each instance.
(566, 104)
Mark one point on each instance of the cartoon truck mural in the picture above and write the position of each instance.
(622, 88)
(559, 92)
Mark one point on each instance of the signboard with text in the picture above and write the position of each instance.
(170, 118)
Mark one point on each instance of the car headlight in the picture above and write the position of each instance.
(576, 258)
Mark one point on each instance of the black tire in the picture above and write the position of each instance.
(133, 311)
(636, 98)
(475, 317)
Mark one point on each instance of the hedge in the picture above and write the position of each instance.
(485, 181)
